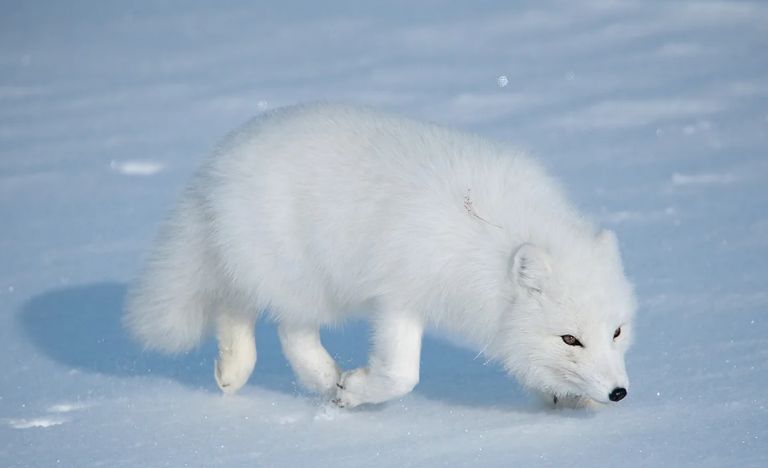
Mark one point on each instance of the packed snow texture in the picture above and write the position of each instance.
(654, 114)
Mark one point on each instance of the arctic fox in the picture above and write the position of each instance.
(315, 213)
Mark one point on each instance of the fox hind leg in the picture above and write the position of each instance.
(237, 351)
(313, 366)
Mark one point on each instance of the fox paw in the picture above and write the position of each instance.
(232, 370)
(345, 396)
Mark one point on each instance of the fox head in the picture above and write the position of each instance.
(571, 322)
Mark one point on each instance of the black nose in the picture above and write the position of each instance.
(617, 394)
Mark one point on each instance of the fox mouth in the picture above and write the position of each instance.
(576, 401)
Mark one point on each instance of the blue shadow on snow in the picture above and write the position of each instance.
(80, 327)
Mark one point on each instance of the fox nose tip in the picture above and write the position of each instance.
(617, 394)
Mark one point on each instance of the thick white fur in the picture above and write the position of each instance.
(314, 213)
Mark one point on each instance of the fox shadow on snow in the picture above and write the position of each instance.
(81, 327)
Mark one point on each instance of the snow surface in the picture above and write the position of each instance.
(654, 114)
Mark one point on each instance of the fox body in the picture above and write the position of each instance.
(312, 214)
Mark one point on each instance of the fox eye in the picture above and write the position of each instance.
(617, 333)
(571, 340)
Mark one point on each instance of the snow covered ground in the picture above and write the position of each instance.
(654, 114)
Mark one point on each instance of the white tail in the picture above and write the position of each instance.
(169, 307)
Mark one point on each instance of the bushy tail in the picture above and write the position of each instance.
(168, 308)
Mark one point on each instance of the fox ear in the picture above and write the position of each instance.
(530, 267)
(607, 239)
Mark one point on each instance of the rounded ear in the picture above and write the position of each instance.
(530, 267)
(607, 239)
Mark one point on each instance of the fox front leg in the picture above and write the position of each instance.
(393, 366)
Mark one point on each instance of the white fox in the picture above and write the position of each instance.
(312, 214)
